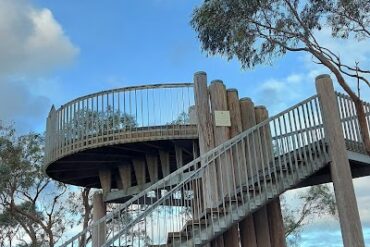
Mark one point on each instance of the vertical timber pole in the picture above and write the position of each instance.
(246, 226)
(231, 236)
(99, 211)
(275, 218)
(261, 224)
(339, 166)
(224, 170)
(206, 140)
(206, 195)
(276, 223)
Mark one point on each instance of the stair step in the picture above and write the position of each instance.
(219, 210)
(233, 199)
(177, 236)
(194, 223)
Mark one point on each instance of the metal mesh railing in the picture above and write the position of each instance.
(120, 115)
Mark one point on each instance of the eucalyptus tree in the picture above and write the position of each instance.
(30, 202)
(314, 202)
(258, 31)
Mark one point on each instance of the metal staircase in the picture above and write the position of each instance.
(187, 208)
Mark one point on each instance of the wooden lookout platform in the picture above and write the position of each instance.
(192, 164)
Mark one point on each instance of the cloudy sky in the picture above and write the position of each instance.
(54, 51)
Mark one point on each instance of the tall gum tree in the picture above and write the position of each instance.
(257, 31)
(30, 202)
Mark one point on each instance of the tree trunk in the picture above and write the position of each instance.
(87, 207)
(51, 237)
(362, 123)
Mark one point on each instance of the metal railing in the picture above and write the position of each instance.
(262, 162)
(270, 157)
(121, 115)
(350, 125)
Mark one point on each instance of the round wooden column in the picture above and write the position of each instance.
(261, 224)
(339, 166)
(99, 211)
(231, 236)
(224, 170)
(246, 226)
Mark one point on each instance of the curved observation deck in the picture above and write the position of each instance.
(130, 136)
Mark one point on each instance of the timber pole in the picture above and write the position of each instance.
(276, 223)
(224, 170)
(260, 217)
(246, 226)
(206, 140)
(339, 166)
(231, 236)
(273, 208)
(206, 190)
(99, 211)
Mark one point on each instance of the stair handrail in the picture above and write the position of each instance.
(209, 156)
(179, 171)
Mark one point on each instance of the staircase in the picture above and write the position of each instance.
(252, 168)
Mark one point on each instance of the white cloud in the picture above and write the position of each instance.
(32, 41)
(32, 44)
(279, 94)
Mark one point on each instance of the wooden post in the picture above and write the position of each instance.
(247, 230)
(125, 174)
(260, 217)
(235, 129)
(231, 236)
(139, 168)
(99, 211)
(105, 176)
(339, 166)
(224, 171)
(164, 156)
(261, 227)
(206, 140)
(118, 181)
(275, 218)
(152, 162)
(179, 158)
(208, 189)
(276, 223)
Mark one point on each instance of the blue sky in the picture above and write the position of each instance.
(54, 51)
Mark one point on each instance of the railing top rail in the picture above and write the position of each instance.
(115, 111)
(346, 96)
(127, 89)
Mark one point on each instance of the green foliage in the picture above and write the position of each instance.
(257, 31)
(182, 118)
(88, 122)
(314, 202)
(29, 200)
